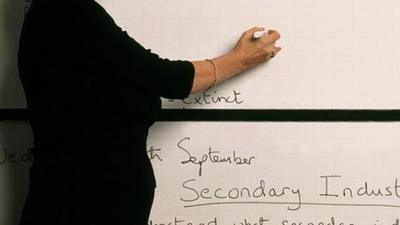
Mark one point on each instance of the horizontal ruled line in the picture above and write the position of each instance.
(295, 203)
(280, 115)
(256, 115)
(13, 114)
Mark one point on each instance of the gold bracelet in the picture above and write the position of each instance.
(215, 73)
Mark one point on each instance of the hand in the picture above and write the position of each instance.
(248, 52)
(251, 51)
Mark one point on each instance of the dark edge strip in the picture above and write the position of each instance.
(13, 114)
(255, 115)
(281, 115)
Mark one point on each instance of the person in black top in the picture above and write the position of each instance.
(92, 94)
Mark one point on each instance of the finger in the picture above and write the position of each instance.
(273, 36)
(274, 51)
(271, 52)
(277, 49)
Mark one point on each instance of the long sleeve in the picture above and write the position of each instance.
(131, 62)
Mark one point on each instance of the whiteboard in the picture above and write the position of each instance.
(340, 54)
(296, 172)
(15, 160)
(327, 172)
(336, 53)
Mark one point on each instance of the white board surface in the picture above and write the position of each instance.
(336, 53)
(340, 54)
(296, 172)
(310, 162)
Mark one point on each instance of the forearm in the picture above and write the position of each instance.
(248, 52)
(227, 66)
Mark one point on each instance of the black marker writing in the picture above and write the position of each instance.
(360, 191)
(331, 222)
(153, 153)
(6, 156)
(192, 193)
(207, 99)
(212, 156)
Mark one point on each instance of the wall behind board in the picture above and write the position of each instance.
(338, 54)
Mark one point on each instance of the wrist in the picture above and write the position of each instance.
(229, 65)
(237, 61)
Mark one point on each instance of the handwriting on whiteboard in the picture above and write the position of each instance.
(209, 97)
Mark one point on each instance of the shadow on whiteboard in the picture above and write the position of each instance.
(14, 136)
(11, 18)
(15, 160)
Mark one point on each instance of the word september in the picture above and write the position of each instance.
(213, 157)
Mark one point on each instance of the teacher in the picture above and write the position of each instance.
(92, 94)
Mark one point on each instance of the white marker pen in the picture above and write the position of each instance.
(259, 34)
